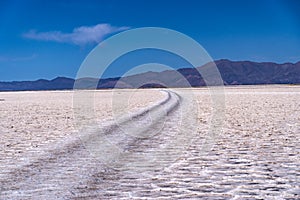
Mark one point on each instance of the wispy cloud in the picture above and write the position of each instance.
(17, 58)
(79, 36)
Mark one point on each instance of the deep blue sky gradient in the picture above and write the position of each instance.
(256, 30)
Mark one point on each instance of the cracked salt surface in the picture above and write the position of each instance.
(255, 157)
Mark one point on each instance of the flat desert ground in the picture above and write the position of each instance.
(255, 152)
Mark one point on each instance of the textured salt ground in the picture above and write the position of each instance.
(255, 157)
(31, 121)
(53, 174)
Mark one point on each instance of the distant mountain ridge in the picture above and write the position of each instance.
(232, 72)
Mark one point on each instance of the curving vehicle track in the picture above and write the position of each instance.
(140, 143)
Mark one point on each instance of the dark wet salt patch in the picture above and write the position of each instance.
(247, 192)
(276, 189)
(253, 183)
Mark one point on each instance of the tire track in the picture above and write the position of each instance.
(60, 171)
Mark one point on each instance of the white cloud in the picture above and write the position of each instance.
(17, 58)
(79, 36)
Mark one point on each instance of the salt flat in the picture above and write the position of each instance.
(255, 156)
(33, 119)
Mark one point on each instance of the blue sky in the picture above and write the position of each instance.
(46, 39)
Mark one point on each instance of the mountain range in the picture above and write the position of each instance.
(232, 73)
